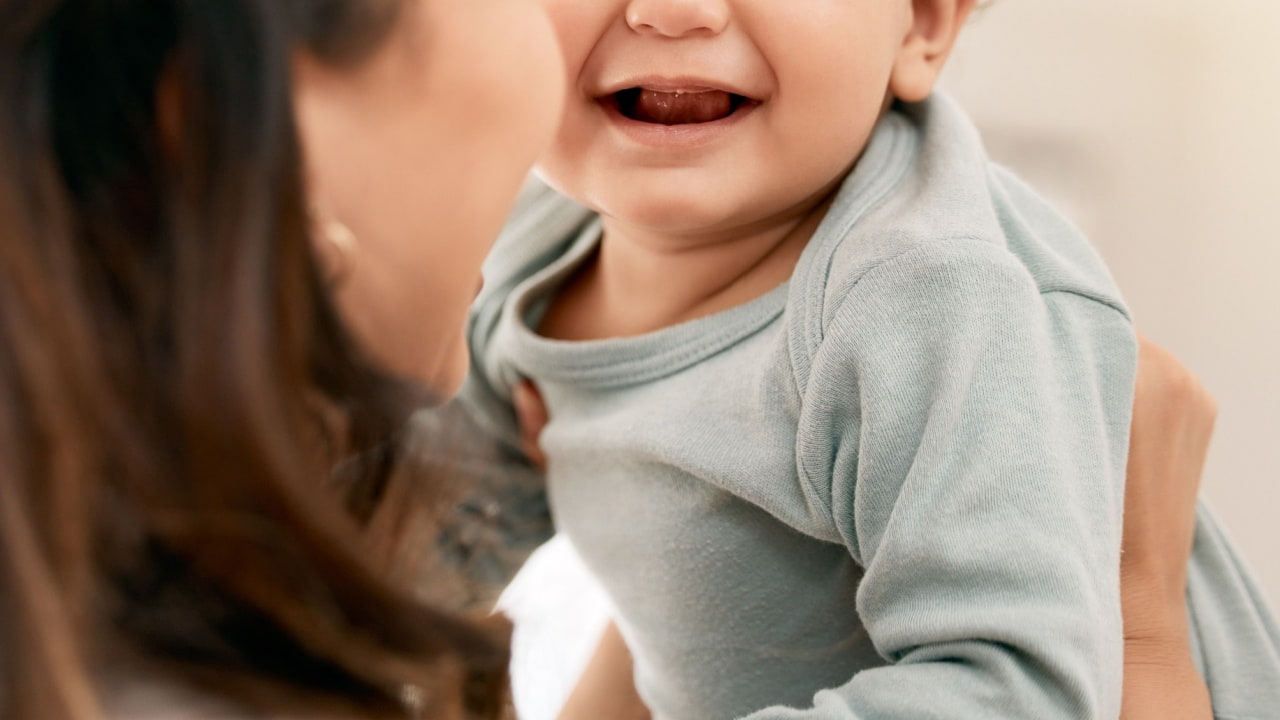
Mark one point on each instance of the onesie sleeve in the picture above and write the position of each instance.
(976, 432)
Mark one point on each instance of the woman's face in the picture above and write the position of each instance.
(419, 151)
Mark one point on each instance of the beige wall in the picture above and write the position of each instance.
(1156, 125)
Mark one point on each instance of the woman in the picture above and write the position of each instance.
(235, 232)
(176, 381)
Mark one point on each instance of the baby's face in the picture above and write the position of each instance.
(718, 116)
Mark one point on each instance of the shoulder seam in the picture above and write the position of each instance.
(847, 288)
(1105, 302)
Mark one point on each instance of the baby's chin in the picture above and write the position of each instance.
(712, 200)
(688, 213)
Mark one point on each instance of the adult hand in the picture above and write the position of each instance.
(1173, 422)
(531, 414)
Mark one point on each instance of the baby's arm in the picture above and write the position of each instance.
(977, 475)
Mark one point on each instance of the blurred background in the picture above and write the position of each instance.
(1154, 125)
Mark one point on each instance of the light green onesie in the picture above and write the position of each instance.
(891, 488)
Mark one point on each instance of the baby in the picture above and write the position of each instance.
(839, 408)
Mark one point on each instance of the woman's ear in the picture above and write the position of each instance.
(935, 25)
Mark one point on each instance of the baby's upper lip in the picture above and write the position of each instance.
(677, 83)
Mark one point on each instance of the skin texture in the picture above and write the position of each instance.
(389, 145)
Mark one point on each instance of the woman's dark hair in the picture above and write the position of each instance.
(175, 384)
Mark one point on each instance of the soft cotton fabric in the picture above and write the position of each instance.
(890, 488)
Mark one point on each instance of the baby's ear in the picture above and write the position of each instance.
(935, 24)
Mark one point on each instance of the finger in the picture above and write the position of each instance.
(531, 414)
(1174, 412)
(1172, 427)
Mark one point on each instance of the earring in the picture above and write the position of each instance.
(340, 236)
(340, 244)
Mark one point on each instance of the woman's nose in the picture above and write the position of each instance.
(678, 18)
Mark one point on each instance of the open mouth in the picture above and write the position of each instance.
(679, 107)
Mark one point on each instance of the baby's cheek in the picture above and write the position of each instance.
(566, 18)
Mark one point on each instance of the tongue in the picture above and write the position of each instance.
(680, 108)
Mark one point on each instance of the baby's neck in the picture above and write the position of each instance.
(640, 281)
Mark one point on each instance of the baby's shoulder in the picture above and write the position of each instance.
(540, 229)
(934, 202)
(1008, 238)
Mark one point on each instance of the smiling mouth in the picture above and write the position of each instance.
(680, 107)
